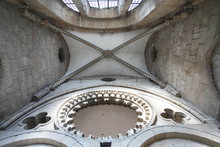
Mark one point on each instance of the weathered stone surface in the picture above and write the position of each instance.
(183, 58)
(29, 59)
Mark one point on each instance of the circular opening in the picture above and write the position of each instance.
(105, 120)
(108, 79)
(153, 53)
(144, 115)
(61, 55)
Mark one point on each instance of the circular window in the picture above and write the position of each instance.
(153, 53)
(80, 115)
(61, 55)
(108, 79)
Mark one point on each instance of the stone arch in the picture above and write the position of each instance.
(35, 141)
(155, 134)
(40, 137)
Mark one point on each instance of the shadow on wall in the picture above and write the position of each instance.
(215, 68)
(216, 65)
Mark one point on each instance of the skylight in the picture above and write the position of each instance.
(71, 5)
(134, 4)
(100, 4)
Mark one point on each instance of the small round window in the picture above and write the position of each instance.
(108, 79)
(61, 55)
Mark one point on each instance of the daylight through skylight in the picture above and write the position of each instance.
(71, 5)
(100, 4)
(134, 4)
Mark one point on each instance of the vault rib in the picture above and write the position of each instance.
(137, 70)
(53, 86)
(105, 53)
(147, 32)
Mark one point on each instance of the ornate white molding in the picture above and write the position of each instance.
(67, 111)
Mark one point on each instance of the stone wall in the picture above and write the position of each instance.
(216, 65)
(181, 56)
(29, 59)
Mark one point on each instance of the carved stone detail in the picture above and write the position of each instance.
(107, 54)
(177, 117)
(68, 110)
(35, 121)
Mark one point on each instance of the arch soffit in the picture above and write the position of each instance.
(157, 133)
(40, 137)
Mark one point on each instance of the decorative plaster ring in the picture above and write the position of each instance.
(66, 113)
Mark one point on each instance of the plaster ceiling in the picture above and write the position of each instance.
(82, 54)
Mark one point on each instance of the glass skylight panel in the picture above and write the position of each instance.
(137, 1)
(113, 3)
(103, 4)
(134, 4)
(67, 1)
(93, 3)
(71, 5)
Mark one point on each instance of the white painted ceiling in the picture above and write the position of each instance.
(81, 54)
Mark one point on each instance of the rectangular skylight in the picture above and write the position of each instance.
(71, 5)
(137, 1)
(132, 6)
(103, 3)
(94, 4)
(113, 3)
(67, 1)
